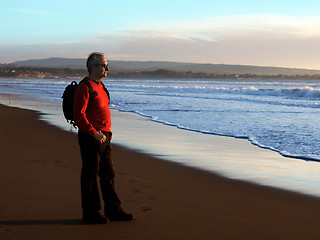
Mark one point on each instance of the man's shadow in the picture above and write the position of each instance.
(69, 222)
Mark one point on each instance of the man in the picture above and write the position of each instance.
(93, 118)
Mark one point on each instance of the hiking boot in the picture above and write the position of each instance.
(95, 219)
(120, 216)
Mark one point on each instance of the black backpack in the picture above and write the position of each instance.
(68, 99)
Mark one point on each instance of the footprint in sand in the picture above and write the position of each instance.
(144, 209)
(135, 190)
(150, 197)
(132, 181)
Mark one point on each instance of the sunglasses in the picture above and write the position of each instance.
(105, 66)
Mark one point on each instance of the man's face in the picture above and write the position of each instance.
(100, 69)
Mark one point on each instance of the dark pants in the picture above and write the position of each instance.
(97, 163)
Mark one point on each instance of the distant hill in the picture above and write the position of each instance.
(78, 63)
(73, 63)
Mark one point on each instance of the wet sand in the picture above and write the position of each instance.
(40, 194)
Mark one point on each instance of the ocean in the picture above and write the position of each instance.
(280, 115)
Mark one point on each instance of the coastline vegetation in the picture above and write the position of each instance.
(13, 71)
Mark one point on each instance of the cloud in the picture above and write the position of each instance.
(216, 28)
(268, 40)
(254, 39)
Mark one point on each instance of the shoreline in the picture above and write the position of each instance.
(40, 171)
(304, 158)
(230, 157)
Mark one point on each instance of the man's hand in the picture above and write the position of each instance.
(99, 136)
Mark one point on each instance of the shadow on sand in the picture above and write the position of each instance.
(43, 222)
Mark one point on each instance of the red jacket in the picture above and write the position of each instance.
(94, 116)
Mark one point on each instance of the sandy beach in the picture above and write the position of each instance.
(40, 194)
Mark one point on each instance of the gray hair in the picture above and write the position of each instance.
(93, 59)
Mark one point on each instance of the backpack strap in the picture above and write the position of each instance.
(86, 81)
(91, 92)
(104, 87)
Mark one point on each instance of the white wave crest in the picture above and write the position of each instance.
(305, 92)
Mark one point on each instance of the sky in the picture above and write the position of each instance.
(263, 33)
